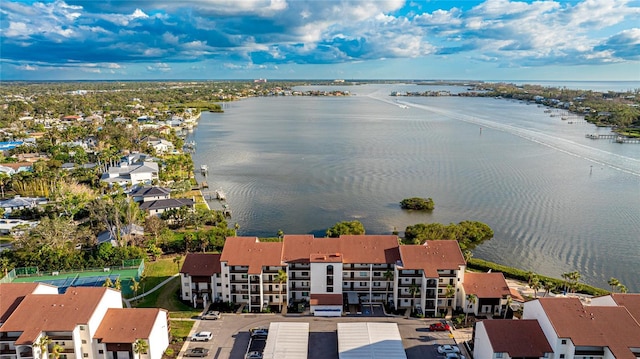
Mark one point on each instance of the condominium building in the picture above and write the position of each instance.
(330, 274)
(84, 322)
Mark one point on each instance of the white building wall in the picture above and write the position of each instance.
(533, 310)
(607, 300)
(224, 279)
(318, 274)
(482, 345)
(185, 285)
(159, 337)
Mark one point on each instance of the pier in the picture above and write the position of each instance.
(616, 137)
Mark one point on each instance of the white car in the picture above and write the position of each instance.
(446, 349)
(211, 315)
(202, 337)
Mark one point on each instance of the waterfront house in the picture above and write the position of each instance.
(146, 193)
(129, 174)
(159, 206)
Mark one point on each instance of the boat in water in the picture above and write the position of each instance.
(220, 195)
(204, 168)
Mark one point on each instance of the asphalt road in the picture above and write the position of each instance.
(231, 334)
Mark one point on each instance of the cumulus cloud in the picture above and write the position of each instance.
(159, 33)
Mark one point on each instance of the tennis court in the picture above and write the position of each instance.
(85, 279)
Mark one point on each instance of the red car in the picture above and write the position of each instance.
(439, 327)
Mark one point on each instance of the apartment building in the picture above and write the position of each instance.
(84, 322)
(330, 274)
(200, 279)
(508, 339)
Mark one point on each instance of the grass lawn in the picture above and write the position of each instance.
(167, 296)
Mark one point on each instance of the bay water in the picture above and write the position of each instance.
(556, 200)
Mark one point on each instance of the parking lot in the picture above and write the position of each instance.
(231, 334)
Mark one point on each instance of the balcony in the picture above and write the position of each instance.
(296, 276)
(7, 350)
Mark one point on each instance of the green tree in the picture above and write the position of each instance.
(346, 228)
(140, 346)
(548, 287)
(43, 345)
(388, 276)
(535, 285)
(471, 302)
(507, 306)
(135, 287)
(108, 283)
(117, 284)
(280, 233)
(56, 351)
(613, 282)
(177, 259)
(5, 179)
(281, 278)
(449, 293)
(419, 204)
(414, 289)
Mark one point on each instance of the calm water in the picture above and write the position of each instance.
(556, 201)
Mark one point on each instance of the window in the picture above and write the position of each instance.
(245, 297)
(363, 284)
(561, 356)
(244, 276)
(84, 341)
(329, 289)
(218, 284)
(85, 355)
(329, 280)
(330, 269)
(564, 341)
(100, 351)
(82, 327)
(364, 274)
(305, 274)
(186, 294)
(186, 284)
(499, 355)
(376, 284)
(376, 274)
(305, 294)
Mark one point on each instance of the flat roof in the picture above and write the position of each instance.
(370, 340)
(287, 341)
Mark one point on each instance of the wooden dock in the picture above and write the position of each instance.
(617, 138)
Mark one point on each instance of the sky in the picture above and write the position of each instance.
(576, 40)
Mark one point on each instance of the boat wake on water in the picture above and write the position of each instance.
(597, 156)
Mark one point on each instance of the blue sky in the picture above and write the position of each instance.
(320, 39)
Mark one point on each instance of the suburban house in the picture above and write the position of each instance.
(200, 279)
(146, 193)
(128, 234)
(508, 339)
(86, 322)
(159, 206)
(490, 292)
(330, 274)
(126, 174)
(17, 203)
(160, 145)
(576, 330)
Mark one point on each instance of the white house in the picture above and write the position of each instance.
(200, 279)
(87, 322)
(129, 174)
(508, 339)
(577, 331)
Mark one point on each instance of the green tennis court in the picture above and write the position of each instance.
(85, 279)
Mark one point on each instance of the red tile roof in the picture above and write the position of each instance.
(602, 326)
(249, 251)
(12, 295)
(486, 285)
(126, 325)
(325, 299)
(53, 312)
(201, 264)
(629, 301)
(299, 248)
(432, 256)
(518, 338)
(376, 249)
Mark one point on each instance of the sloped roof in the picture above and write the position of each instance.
(518, 338)
(150, 192)
(486, 285)
(12, 295)
(432, 256)
(299, 248)
(376, 249)
(53, 312)
(126, 325)
(201, 264)
(603, 326)
(166, 203)
(629, 301)
(249, 251)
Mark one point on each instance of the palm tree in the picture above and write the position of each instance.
(56, 351)
(140, 346)
(4, 180)
(388, 276)
(177, 260)
(471, 300)
(413, 290)
(280, 233)
(548, 287)
(236, 227)
(43, 344)
(507, 306)
(450, 292)
(535, 285)
(623, 288)
(281, 278)
(5, 264)
(118, 284)
(107, 283)
(613, 282)
(467, 255)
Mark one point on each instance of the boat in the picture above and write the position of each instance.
(204, 168)
(220, 195)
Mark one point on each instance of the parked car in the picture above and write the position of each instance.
(253, 355)
(447, 349)
(259, 332)
(211, 315)
(202, 337)
(454, 356)
(197, 352)
(439, 327)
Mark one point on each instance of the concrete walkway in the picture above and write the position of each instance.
(127, 302)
